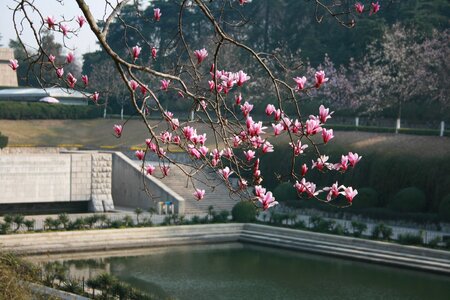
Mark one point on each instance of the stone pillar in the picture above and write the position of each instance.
(397, 125)
(8, 77)
(441, 131)
(101, 183)
(356, 122)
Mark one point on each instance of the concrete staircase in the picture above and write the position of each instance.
(217, 194)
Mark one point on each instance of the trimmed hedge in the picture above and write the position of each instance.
(36, 110)
(285, 192)
(410, 199)
(244, 212)
(3, 141)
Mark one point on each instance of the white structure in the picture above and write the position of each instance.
(64, 95)
(8, 77)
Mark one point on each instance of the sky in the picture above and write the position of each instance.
(85, 42)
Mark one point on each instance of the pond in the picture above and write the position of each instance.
(243, 271)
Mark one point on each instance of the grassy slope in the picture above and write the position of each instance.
(97, 133)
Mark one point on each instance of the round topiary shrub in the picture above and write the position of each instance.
(444, 209)
(244, 211)
(285, 191)
(367, 197)
(409, 199)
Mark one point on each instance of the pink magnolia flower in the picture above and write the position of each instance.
(133, 84)
(349, 193)
(194, 152)
(375, 8)
(312, 126)
(64, 29)
(165, 170)
(139, 154)
(301, 186)
(327, 135)
(60, 72)
(298, 148)
(176, 140)
(143, 89)
(157, 14)
(225, 172)
(199, 194)
(160, 152)
(267, 147)
(81, 20)
(243, 184)
(201, 55)
(304, 170)
(212, 85)
(320, 78)
(85, 79)
(333, 191)
(165, 84)
(228, 152)
(249, 155)
(278, 114)
(189, 132)
(343, 165)
(270, 109)
(321, 163)
(242, 2)
(296, 126)
(359, 7)
(324, 114)
(267, 201)
(277, 129)
(353, 158)
(13, 64)
(241, 78)
(95, 97)
(118, 130)
(203, 150)
(154, 52)
(165, 137)
(236, 141)
(71, 80)
(51, 58)
(238, 99)
(175, 123)
(70, 57)
(259, 191)
(51, 22)
(300, 82)
(256, 128)
(246, 108)
(216, 154)
(149, 169)
(136, 50)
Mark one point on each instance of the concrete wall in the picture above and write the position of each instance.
(57, 177)
(8, 77)
(128, 187)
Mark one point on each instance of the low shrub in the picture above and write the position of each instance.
(444, 209)
(3, 141)
(244, 211)
(382, 231)
(358, 228)
(410, 239)
(367, 197)
(321, 225)
(410, 199)
(31, 110)
(434, 243)
(284, 192)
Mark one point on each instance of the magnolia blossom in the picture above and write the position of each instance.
(154, 52)
(278, 114)
(70, 57)
(176, 140)
(13, 64)
(236, 141)
(359, 7)
(343, 165)
(327, 135)
(324, 114)
(165, 170)
(353, 158)
(349, 193)
(60, 72)
(298, 147)
(228, 152)
(139, 154)
(243, 184)
(203, 150)
(304, 170)
(194, 152)
(71, 80)
(238, 99)
(242, 77)
(270, 109)
(225, 172)
(51, 22)
(118, 130)
(300, 82)
(64, 28)
(201, 55)
(149, 169)
(165, 84)
(333, 191)
(95, 97)
(81, 20)
(306, 187)
(259, 191)
(143, 89)
(312, 126)
(277, 128)
(246, 108)
(321, 163)
(157, 14)
(375, 8)
(242, 2)
(267, 147)
(51, 58)
(136, 50)
(249, 155)
(267, 201)
(85, 79)
(199, 194)
(133, 84)
(320, 78)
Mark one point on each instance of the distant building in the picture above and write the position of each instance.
(8, 77)
(64, 95)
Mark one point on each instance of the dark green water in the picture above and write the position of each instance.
(237, 271)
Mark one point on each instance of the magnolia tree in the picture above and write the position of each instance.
(217, 86)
